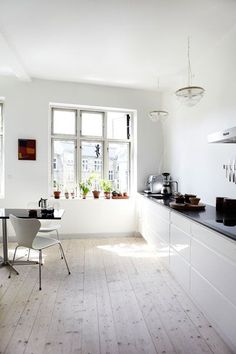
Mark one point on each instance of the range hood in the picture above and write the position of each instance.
(225, 136)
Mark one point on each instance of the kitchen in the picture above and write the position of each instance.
(179, 144)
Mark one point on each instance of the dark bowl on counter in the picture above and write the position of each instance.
(180, 199)
(187, 196)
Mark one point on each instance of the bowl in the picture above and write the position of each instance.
(179, 199)
(187, 196)
(194, 200)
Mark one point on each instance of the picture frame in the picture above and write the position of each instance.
(27, 149)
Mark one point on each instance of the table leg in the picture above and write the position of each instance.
(4, 262)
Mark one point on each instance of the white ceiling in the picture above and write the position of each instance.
(127, 43)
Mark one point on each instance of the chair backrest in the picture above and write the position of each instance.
(25, 229)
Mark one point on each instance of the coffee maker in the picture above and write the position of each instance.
(167, 187)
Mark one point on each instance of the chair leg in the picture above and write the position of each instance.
(40, 265)
(9, 276)
(28, 254)
(57, 234)
(62, 251)
(59, 240)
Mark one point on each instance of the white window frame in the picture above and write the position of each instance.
(103, 139)
(2, 174)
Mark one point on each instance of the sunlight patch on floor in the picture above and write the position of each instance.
(134, 250)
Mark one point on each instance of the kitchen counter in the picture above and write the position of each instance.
(208, 217)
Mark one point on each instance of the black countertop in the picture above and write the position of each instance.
(208, 217)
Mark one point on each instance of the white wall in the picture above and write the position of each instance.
(26, 113)
(196, 164)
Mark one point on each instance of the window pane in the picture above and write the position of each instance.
(91, 161)
(92, 123)
(63, 164)
(119, 166)
(1, 165)
(64, 122)
(117, 123)
(1, 123)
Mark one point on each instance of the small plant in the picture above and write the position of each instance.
(66, 193)
(107, 188)
(57, 189)
(106, 185)
(85, 188)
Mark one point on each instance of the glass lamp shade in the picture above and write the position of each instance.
(157, 115)
(190, 95)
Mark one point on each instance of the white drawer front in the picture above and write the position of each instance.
(180, 221)
(159, 225)
(180, 241)
(159, 244)
(215, 240)
(159, 210)
(216, 269)
(215, 306)
(180, 268)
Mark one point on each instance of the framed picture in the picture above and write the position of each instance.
(26, 149)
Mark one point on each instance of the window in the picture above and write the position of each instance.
(1, 153)
(104, 143)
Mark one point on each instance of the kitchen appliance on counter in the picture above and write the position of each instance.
(161, 185)
(167, 187)
(154, 184)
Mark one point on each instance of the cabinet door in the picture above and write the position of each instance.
(215, 306)
(154, 227)
(215, 241)
(180, 268)
(180, 241)
(217, 269)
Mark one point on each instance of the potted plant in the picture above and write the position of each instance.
(96, 193)
(57, 191)
(85, 188)
(66, 193)
(106, 187)
(94, 180)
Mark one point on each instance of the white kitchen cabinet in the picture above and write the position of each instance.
(215, 268)
(154, 223)
(216, 307)
(180, 243)
(180, 268)
(213, 278)
(203, 261)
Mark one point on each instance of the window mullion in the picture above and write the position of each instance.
(105, 152)
(78, 158)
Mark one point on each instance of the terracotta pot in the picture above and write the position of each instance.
(57, 194)
(107, 195)
(96, 194)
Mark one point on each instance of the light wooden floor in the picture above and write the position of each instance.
(118, 299)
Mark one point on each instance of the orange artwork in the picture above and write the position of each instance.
(26, 149)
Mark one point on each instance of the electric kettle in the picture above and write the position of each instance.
(43, 203)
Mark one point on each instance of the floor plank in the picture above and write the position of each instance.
(119, 299)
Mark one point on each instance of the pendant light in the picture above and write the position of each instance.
(158, 114)
(190, 95)
(155, 116)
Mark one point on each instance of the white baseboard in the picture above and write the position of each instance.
(88, 235)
